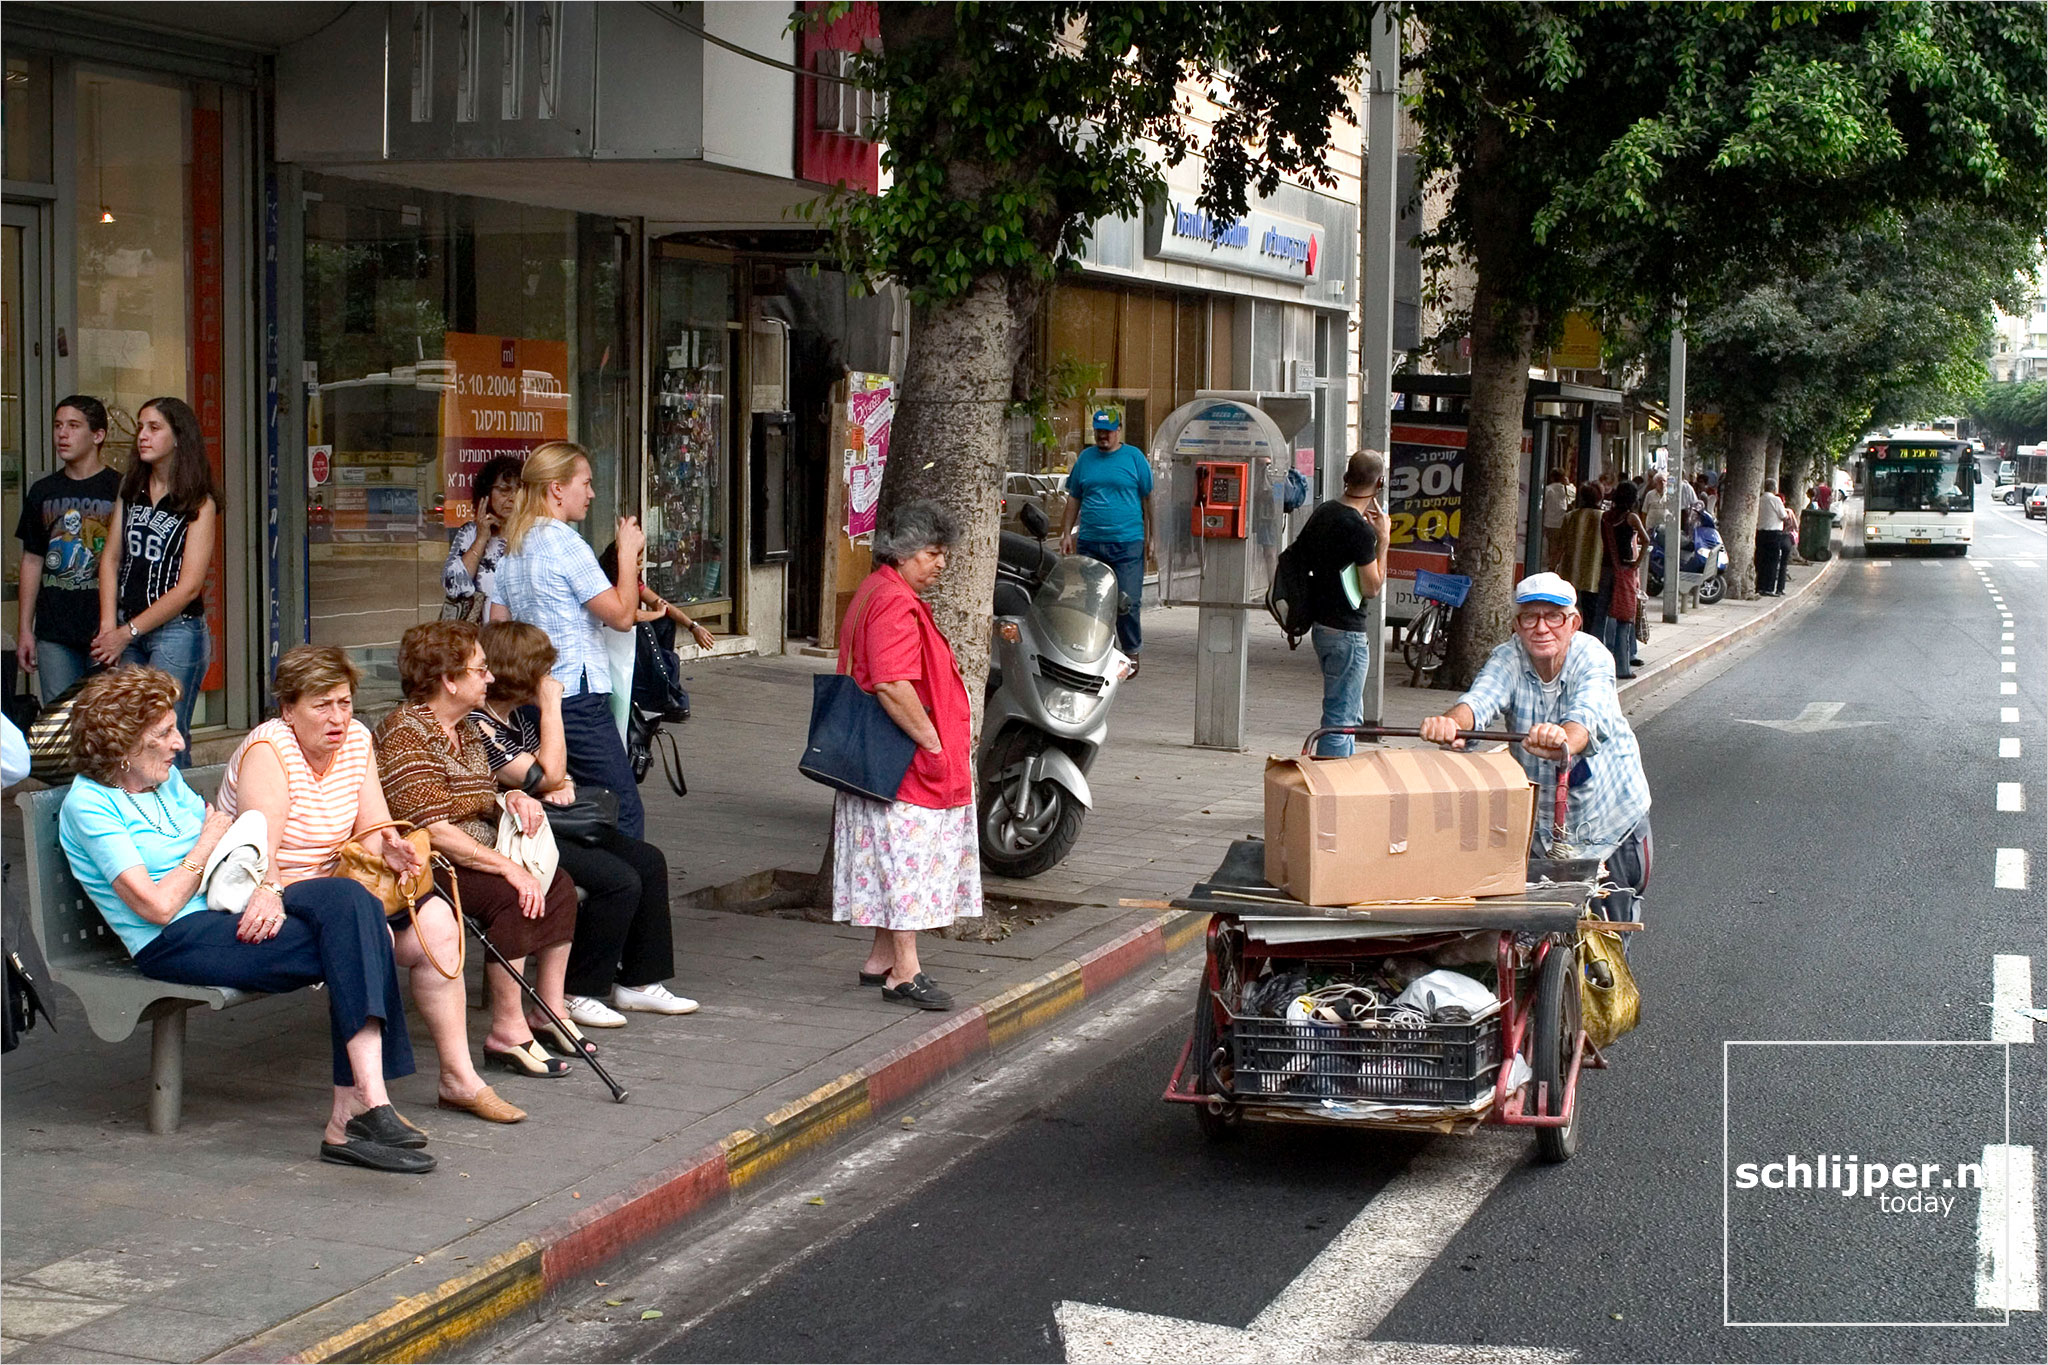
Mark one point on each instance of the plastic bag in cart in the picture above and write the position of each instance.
(1608, 999)
(1431, 992)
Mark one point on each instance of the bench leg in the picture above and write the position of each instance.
(167, 1072)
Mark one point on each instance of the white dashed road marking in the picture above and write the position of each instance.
(2008, 1273)
(2012, 796)
(2009, 714)
(2012, 997)
(2012, 870)
(2008, 748)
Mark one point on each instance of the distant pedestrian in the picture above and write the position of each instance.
(1623, 538)
(1108, 517)
(913, 863)
(153, 582)
(1344, 546)
(1773, 546)
(1557, 500)
(1579, 553)
(1654, 504)
(1822, 494)
(64, 532)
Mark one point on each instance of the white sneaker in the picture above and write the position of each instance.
(586, 1012)
(654, 999)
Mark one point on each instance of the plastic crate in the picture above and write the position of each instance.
(1280, 1059)
(1447, 588)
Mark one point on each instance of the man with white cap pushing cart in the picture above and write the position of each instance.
(1559, 686)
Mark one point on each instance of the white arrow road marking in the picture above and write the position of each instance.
(1335, 1304)
(2012, 796)
(1816, 717)
(2008, 1273)
(2012, 998)
(2012, 870)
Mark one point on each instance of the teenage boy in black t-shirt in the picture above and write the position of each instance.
(63, 532)
(1345, 544)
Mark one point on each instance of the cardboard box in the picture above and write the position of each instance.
(1398, 824)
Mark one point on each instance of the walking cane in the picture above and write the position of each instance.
(491, 951)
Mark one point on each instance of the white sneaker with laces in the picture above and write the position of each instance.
(654, 999)
(587, 1012)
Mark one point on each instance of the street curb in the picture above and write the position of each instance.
(1660, 672)
(429, 1325)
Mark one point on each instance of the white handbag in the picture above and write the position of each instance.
(536, 852)
(237, 863)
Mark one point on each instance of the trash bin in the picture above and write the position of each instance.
(1815, 527)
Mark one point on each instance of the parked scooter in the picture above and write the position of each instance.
(1054, 670)
(1706, 556)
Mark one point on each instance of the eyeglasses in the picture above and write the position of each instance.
(1548, 620)
(482, 669)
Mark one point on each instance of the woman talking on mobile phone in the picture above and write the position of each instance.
(153, 578)
(470, 578)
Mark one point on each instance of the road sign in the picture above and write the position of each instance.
(319, 464)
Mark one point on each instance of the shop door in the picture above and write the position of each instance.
(24, 443)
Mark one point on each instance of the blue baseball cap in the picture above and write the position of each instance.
(1546, 587)
(1107, 419)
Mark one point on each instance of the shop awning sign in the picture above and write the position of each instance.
(504, 396)
(1260, 243)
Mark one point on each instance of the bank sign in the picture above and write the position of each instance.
(1260, 243)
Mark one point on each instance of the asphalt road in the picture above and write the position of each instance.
(1825, 881)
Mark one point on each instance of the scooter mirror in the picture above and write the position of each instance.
(1034, 519)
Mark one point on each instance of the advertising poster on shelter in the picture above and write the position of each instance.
(870, 409)
(507, 396)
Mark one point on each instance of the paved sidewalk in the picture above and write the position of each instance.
(228, 1239)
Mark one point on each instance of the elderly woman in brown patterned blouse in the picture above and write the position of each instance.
(436, 775)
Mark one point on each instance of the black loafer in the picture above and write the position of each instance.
(386, 1127)
(874, 978)
(375, 1156)
(920, 993)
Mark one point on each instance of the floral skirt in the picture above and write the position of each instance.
(899, 866)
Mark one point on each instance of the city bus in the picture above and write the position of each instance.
(1919, 490)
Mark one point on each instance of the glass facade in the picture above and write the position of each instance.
(441, 332)
(690, 432)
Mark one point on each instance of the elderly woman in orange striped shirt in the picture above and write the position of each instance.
(313, 773)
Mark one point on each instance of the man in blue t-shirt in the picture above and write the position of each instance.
(1109, 517)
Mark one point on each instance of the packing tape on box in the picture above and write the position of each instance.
(1448, 768)
(1497, 820)
(1322, 807)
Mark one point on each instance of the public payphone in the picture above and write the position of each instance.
(1219, 504)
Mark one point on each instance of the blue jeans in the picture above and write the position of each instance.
(1344, 655)
(1127, 558)
(58, 667)
(597, 756)
(181, 648)
(1620, 638)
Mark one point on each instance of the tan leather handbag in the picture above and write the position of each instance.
(356, 862)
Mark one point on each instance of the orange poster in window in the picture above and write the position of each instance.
(505, 396)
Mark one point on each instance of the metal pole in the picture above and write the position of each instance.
(1376, 295)
(1674, 499)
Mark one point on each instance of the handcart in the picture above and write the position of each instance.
(1516, 1061)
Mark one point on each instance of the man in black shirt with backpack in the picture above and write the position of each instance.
(1342, 553)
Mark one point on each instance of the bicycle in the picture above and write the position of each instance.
(1428, 638)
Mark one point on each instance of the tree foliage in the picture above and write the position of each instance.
(2015, 412)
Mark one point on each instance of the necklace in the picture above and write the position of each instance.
(169, 819)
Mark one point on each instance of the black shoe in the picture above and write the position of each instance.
(376, 1156)
(386, 1127)
(1635, 663)
(920, 993)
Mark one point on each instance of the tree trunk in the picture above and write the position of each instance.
(1774, 461)
(1740, 485)
(1503, 339)
(947, 445)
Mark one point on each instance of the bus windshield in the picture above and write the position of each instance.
(1921, 478)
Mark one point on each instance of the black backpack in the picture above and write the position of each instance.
(1287, 596)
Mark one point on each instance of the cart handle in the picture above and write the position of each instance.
(1406, 732)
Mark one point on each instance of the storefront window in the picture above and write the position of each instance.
(688, 495)
(27, 118)
(442, 332)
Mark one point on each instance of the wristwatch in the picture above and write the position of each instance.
(133, 633)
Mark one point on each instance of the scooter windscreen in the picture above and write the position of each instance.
(1078, 602)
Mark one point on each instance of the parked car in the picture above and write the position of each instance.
(1047, 490)
(2015, 494)
(2037, 502)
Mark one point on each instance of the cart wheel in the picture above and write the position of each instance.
(1553, 1035)
(1216, 1124)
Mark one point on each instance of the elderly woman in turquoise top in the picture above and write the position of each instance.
(138, 838)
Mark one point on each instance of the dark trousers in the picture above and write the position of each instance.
(623, 932)
(1773, 556)
(1127, 559)
(597, 756)
(333, 931)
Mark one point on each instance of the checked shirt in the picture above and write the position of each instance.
(1614, 794)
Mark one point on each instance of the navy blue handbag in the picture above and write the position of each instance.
(854, 746)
